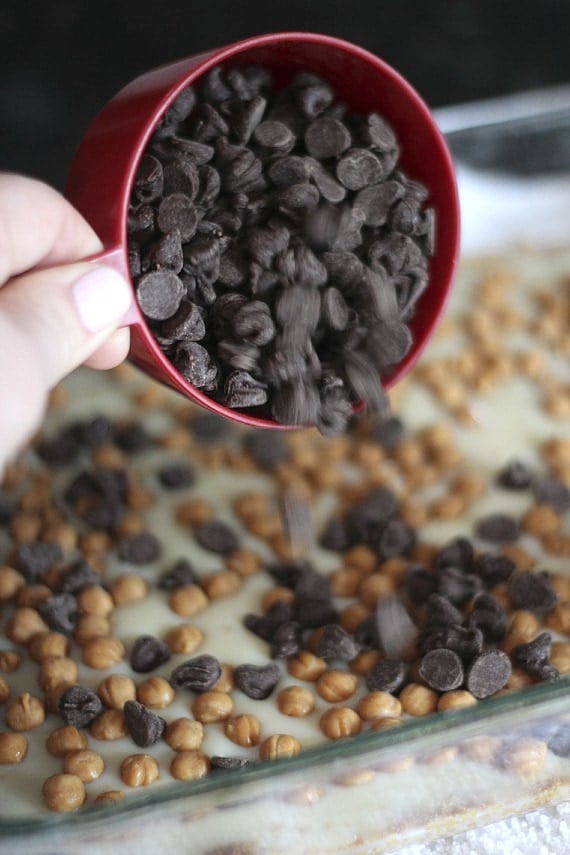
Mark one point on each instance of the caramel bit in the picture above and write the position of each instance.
(340, 722)
(184, 734)
(63, 793)
(189, 764)
(65, 739)
(279, 746)
(139, 770)
(244, 730)
(25, 713)
(13, 748)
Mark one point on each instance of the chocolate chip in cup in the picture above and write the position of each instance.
(233, 174)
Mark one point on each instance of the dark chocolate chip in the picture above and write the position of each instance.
(59, 612)
(196, 365)
(242, 390)
(80, 574)
(498, 528)
(176, 474)
(217, 536)
(36, 557)
(181, 573)
(286, 640)
(388, 675)
(159, 294)
(327, 137)
(265, 626)
(396, 538)
(228, 764)
(456, 586)
(141, 548)
(359, 168)
(336, 643)
(494, 569)
(490, 618)
(488, 674)
(257, 681)
(199, 674)
(551, 491)
(442, 669)
(144, 726)
(532, 591)
(78, 706)
(458, 552)
(148, 653)
(516, 475)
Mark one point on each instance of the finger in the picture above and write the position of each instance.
(51, 321)
(38, 227)
(112, 352)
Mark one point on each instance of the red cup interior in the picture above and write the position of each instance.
(102, 173)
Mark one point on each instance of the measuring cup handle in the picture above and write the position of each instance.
(116, 258)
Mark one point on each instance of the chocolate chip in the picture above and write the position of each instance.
(149, 180)
(257, 681)
(187, 323)
(359, 168)
(265, 626)
(144, 726)
(396, 538)
(532, 591)
(551, 491)
(181, 573)
(490, 618)
(196, 365)
(242, 390)
(228, 764)
(273, 138)
(36, 557)
(176, 474)
(388, 675)
(147, 653)
(327, 137)
(420, 584)
(159, 294)
(199, 674)
(286, 640)
(441, 613)
(456, 586)
(141, 548)
(467, 642)
(515, 476)
(336, 643)
(78, 706)
(531, 655)
(59, 612)
(458, 552)
(78, 575)
(488, 674)
(442, 669)
(497, 528)
(217, 536)
(494, 569)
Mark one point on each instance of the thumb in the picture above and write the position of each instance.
(51, 321)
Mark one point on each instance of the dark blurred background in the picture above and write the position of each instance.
(62, 59)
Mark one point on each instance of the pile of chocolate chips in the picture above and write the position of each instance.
(277, 250)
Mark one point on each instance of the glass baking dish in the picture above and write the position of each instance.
(434, 776)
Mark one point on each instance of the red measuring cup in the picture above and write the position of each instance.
(102, 173)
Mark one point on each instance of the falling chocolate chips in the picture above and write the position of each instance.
(296, 207)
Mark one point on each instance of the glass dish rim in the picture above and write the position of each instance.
(412, 734)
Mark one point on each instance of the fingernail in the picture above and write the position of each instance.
(102, 297)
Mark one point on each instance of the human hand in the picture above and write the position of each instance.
(56, 311)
